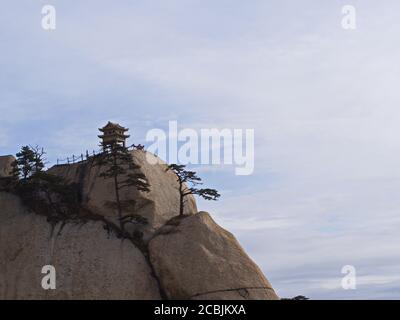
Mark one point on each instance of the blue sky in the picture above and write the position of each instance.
(324, 103)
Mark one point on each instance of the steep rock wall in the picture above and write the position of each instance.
(5, 165)
(197, 259)
(90, 264)
(157, 206)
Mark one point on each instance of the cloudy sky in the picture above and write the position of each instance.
(323, 101)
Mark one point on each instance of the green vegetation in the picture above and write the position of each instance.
(60, 201)
(185, 177)
(124, 173)
(41, 192)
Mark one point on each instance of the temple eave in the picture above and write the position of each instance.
(113, 136)
(112, 128)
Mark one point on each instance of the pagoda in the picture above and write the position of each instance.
(113, 134)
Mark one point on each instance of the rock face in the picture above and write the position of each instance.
(185, 258)
(197, 259)
(158, 206)
(89, 264)
(5, 165)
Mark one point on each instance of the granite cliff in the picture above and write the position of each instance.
(188, 257)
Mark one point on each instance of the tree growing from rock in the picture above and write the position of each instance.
(42, 192)
(185, 178)
(29, 161)
(121, 168)
(38, 159)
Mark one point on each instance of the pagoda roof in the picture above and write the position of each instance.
(114, 135)
(112, 125)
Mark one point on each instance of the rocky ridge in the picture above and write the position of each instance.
(185, 258)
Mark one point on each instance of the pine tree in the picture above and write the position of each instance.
(185, 177)
(121, 168)
(30, 161)
(38, 159)
(23, 166)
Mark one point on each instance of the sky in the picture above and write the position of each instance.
(323, 101)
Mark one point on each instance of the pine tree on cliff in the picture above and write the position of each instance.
(121, 168)
(22, 167)
(28, 163)
(185, 177)
(42, 192)
(38, 159)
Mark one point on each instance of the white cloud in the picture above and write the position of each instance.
(323, 103)
(3, 138)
